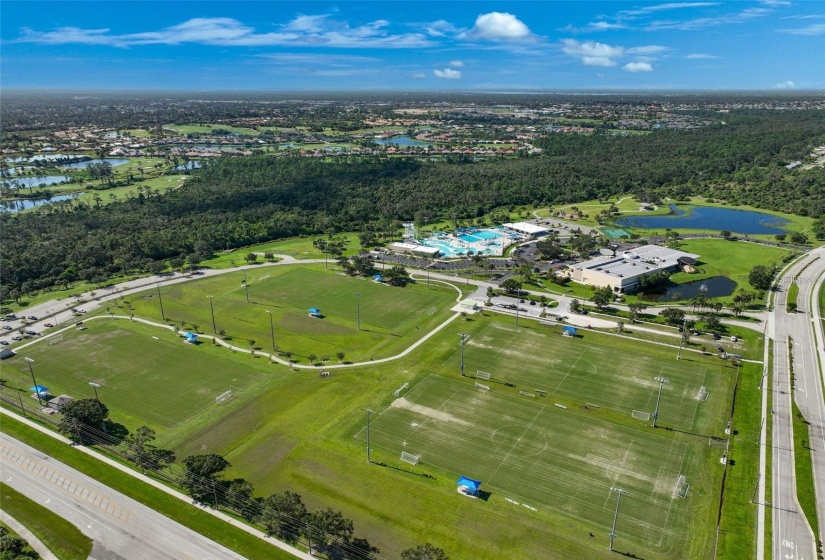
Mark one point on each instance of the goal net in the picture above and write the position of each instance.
(527, 394)
(409, 458)
(56, 340)
(483, 375)
(682, 487)
(223, 397)
(482, 386)
(397, 392)
(702, 395)
(638, 414)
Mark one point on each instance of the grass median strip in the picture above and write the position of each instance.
(219, 531)
(59, 536)
(804, 468)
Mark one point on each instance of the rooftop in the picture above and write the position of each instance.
(633, 262)
(524, 227)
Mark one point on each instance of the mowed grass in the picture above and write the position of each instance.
(392, 318)
(148, 373)
(584, 371)
(542, 455)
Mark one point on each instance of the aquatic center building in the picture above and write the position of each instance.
(623, 271)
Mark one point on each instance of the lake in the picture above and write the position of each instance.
(12, 206)
(716, 286)
(114, 162)
(709, 218)
(401, 141)
(26, 182)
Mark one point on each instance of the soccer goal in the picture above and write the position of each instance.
(702, 395)
(397, 392)
(527, 394)
(682, 487)
(56, 340)
(409, 458)
(639, 415)
(223, 397)
(483, 375)
(482, 386)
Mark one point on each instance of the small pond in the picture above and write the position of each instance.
(114, 162)
(716, 286)
(26, 182)
(12, 206)
(401, 141)
(709, 218)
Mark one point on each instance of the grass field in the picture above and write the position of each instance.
(59, 536)
(149, 374)
(391, 317)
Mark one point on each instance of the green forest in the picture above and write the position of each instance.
(238, 201)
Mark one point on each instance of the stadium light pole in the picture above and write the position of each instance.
(518, 307)
(662, 381)
(271, 329)
(616, 515)
(358, 309)
(212, 310)
(464, 338)
(36, 389)
(99, 408)
(160, 300)
(682, 339)
(246, 286)
(369, 413)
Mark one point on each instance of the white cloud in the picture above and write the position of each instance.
(815, 29)
(699, 56)
(448, 73)
(499, 26)
(648, 49)
(591, 53)
(597, 61)
(605, 26)
(418, 75)
(456, 63)
(637, 67)
(787, 84)
(319, 30)
(440, 28)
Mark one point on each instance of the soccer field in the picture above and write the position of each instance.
(146, 372)
(582, 370)
(531, 452)
(392, 318)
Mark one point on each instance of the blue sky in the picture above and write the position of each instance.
(413, 45)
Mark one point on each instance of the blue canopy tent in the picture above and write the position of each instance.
(190, 338)
(469, 484)
(39, 389)
(314, 312)
(377, 278)
(569, 331)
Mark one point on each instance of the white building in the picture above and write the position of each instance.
(622, 272)
(526, 229)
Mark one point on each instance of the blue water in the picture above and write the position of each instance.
(716, 286)
(709, 218)
(12, 206)
(114, 162)
(26, 182)
(401, 141)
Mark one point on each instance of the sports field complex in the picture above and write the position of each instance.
(551, 425)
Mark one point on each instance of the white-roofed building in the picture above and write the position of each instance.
(524, 228)
(624, 271)
(415, 249)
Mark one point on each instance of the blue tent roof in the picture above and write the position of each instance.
(314, 310)
(571, 330)
(377, 277)
(39, 389)
(471, 484)
(189, 335)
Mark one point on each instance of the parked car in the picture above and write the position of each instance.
(17, 337)
(80, 311)
(7, 328)
(32, 318)
(48, 325)
(31, 333)
(4, 342)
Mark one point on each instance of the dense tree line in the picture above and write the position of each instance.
(241, 201)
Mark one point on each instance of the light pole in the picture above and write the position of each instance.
(518, 308)
(616, 515)
(661, 381)
(464, 338)
(369, 413)
(34, 381)
(99, 408)
(212, 309)
(160, 300)
(246, 286)
(271, 329)
(358, 309)
(682, 340)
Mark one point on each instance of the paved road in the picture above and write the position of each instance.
(121, 527)
(793, 538)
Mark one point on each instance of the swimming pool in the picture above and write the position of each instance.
(488, 241)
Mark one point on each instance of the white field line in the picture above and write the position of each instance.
(517, 442)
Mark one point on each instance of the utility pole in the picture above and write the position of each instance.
(212, 309)
(616, 515)
(682, 340)
(358, 309)
(246, 286)
(661, 381)
(99, 408)
(160, 300)
(464, 338)
(518, 308)
(36, 387)
(271, 330)
(369, 413)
